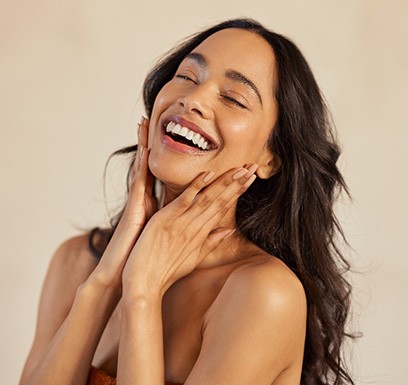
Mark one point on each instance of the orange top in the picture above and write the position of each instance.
(99, 377)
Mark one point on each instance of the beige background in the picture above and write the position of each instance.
(70, 80)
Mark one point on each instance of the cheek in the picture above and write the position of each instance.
(162, 97)
(247, 140)
(166, 96)
(244, 133)
(161, 103)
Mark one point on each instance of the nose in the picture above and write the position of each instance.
(198, 101)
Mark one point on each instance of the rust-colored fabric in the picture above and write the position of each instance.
(99, 377)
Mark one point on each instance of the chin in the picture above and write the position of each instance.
(176, 175)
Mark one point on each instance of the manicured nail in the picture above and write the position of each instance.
(252, 169)
(239, 174)
(141, 152)
(209, 176)
(249, 181)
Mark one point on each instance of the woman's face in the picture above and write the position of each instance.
(217, 112)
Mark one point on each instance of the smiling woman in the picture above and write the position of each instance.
(231, 274)
(231, 106)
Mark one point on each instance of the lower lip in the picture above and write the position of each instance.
(179, 147)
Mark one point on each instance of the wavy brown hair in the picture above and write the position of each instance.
(290, 215)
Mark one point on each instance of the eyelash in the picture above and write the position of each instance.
(226, 97)
(185, 77)
(232, 100)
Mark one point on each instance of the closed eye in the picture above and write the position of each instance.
(185, 77)
(234, 101)
(226, 97)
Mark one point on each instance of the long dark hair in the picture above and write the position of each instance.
(290, 215)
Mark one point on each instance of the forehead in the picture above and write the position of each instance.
(243, 51)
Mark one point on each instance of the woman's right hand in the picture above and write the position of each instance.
(140, 206)
(65, 345)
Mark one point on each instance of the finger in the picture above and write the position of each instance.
(142, 137)
(141, 180)
(204, 223)
(140, 171)
(186, 198)
(201, 217)
(149, 176)
(143, 132)
(135, 161)
(215, 237)
(217, 198)
(149, 187)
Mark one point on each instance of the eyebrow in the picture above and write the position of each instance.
(230, 74)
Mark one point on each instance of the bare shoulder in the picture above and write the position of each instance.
(265, 284)
(257, 325)
(70, 266)
(270, 280)
(265, 294)
(72, 262)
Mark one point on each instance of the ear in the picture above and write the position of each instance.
(268, 166)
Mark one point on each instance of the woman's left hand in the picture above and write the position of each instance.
(179, 236)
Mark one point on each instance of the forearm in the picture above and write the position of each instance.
(69, 355)
(141, 359)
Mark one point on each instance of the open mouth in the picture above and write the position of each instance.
(185, 136)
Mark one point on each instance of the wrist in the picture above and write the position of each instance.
(140, 310)
(105, 277)
(133, 296)
(96, 287)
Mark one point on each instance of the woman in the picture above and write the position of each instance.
(230, 276)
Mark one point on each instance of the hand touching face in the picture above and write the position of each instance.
(180, 235)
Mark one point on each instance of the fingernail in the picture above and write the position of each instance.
(239, 174)
(141, 152)
(209, 176)
(252, 169)
(249, 181)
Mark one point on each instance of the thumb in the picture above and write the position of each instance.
(215, 237)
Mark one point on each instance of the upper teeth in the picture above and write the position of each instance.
(195, 137)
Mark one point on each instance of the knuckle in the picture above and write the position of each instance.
(183, 202)
(165, 227)
(197, 185)
(204, 199)
(221, 203)
(227, 181)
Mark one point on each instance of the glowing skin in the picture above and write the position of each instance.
(201, 93)
(180, 281)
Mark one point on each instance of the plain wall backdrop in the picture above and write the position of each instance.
(70, 86)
